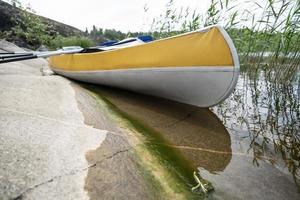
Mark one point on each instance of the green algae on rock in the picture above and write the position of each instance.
(167, 164)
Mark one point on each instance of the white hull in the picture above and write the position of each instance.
(199, 86)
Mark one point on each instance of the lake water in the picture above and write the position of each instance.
(248, 147)
(262, 117)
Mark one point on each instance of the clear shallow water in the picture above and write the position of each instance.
(248, 147)
(262, 117)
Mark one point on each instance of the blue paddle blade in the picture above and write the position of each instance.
(145, 38)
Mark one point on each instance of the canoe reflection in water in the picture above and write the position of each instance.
(184, 137)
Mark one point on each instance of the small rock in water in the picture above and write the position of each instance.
(46, 71)
(42, 48)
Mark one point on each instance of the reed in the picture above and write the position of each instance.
(268, 34)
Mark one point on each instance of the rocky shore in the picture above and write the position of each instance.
(43, 137)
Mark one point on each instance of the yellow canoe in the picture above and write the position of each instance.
(199, 68)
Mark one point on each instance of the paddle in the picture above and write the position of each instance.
(25, 56)
(14, 55)
(8, 53)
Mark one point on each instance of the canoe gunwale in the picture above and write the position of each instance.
(160, 69)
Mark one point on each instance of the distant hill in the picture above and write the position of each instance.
(10, 15)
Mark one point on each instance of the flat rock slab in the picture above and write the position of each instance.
(43, 137)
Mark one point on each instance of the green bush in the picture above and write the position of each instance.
(30, 27)
(60, 42)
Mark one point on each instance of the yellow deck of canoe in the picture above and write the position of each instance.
(198, 68)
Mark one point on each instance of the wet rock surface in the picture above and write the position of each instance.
(115, 173)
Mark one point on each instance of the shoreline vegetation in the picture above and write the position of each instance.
(272, 26)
